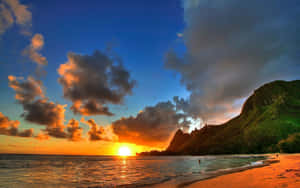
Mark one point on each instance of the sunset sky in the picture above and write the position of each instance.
(88, 77)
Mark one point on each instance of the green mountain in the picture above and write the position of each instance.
(269, 122)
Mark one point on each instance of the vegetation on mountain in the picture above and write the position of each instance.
(269, 122)
(291, 144)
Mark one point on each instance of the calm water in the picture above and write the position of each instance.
(108, 171)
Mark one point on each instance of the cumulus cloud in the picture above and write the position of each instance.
(39, 110)
(74, 132)
(10, 128)
(93, 81)
(233, 47)
(32, 51)
(153, 126)
(26, 91)
(98, 132)
(46, 113)
(12, 11)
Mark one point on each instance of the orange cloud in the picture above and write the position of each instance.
(21, 12)
(10, 127)
(12, 11)
(42, 136)
(74, 131)
(38, 109)
(37, 43)
(26, 91)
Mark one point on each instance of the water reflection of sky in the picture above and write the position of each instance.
(53, 171)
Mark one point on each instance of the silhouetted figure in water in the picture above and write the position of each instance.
(199, 161)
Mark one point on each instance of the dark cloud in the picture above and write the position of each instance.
(26, 91)
(44, 112)
(12, 11)
(25, 133)
(93, 81)
(98, 132)
(39, 110)
(233, 47)
(91, 107)
(10, 128)
(153, 126)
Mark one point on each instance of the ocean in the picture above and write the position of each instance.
(49, 171)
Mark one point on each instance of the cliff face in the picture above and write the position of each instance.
(178, 140)
(269, 115)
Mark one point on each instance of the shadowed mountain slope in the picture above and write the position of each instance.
(269, 115)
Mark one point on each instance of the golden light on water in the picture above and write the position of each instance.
(124, 151)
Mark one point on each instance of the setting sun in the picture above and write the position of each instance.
(124, 151)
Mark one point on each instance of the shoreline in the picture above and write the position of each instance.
(270, 160)
(281, 172)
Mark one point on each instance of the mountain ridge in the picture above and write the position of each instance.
(268, 116)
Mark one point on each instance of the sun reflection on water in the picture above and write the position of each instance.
(124, 169)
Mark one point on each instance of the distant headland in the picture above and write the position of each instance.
(269, 122)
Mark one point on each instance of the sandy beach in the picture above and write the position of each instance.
(285, 173)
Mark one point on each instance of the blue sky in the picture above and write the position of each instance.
(140, 33)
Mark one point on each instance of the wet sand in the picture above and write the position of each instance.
(285, 173)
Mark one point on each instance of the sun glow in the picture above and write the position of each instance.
(124, 151)
(133, 148)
